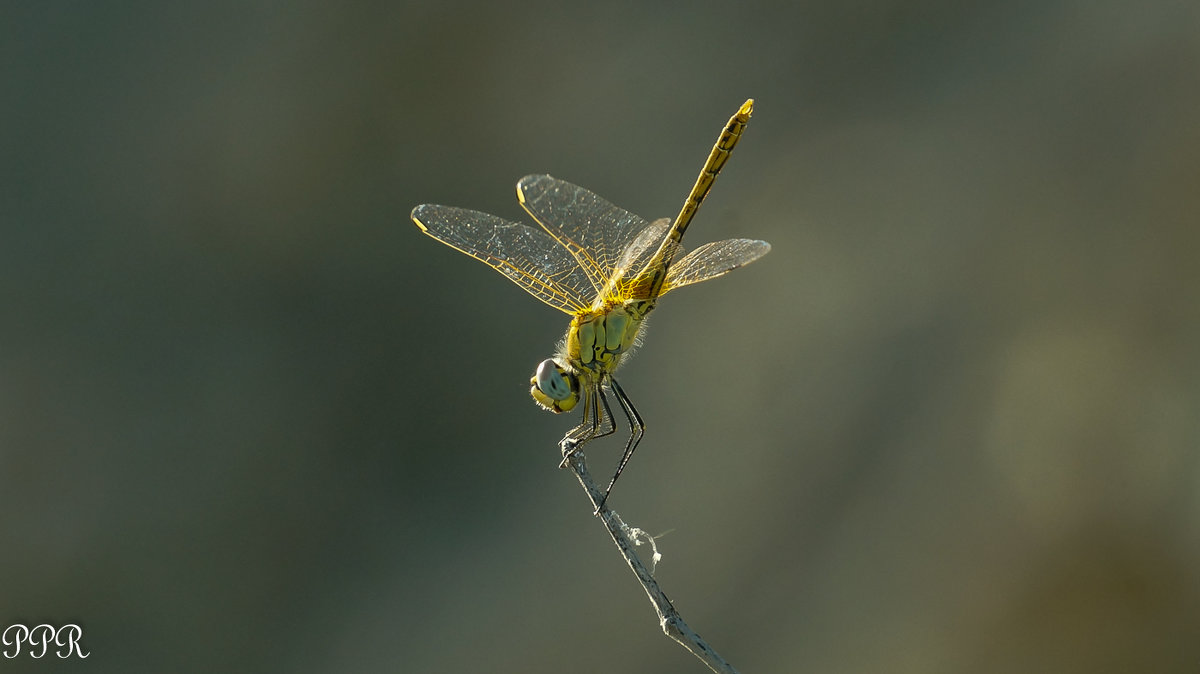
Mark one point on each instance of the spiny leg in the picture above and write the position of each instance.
(585, 432)
(636, 428)
(586, 428)
(612, 423)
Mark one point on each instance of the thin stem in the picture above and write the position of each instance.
(669, 619)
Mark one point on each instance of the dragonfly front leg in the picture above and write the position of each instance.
(579, 434)
(591, 426)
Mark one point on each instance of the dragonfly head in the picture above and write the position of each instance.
(554, 387)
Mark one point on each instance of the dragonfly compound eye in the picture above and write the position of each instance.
(551, 380)
(553, 387)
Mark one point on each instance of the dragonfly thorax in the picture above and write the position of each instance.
(597, 340)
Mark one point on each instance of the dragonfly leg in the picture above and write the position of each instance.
(579, 434)
(608, 417)
(590, 428)
(636, 428)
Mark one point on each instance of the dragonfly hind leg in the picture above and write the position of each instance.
(590, 427)
(636, 429)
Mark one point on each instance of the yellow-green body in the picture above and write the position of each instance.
(598, 340)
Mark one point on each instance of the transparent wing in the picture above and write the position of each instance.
(595, 232)
(526, 255)
(712, 260)
(638, 253)
(629, 279)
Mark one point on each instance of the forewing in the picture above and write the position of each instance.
(594, 231)
(712, 260)
(629, 276)
(642, 248)
(526, 255)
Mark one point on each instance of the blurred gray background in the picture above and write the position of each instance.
(252, 420)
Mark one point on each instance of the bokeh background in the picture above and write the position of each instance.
(252, 420)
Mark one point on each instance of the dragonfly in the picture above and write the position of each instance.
(603, 266)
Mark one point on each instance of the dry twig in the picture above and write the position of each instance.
(670, 620)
